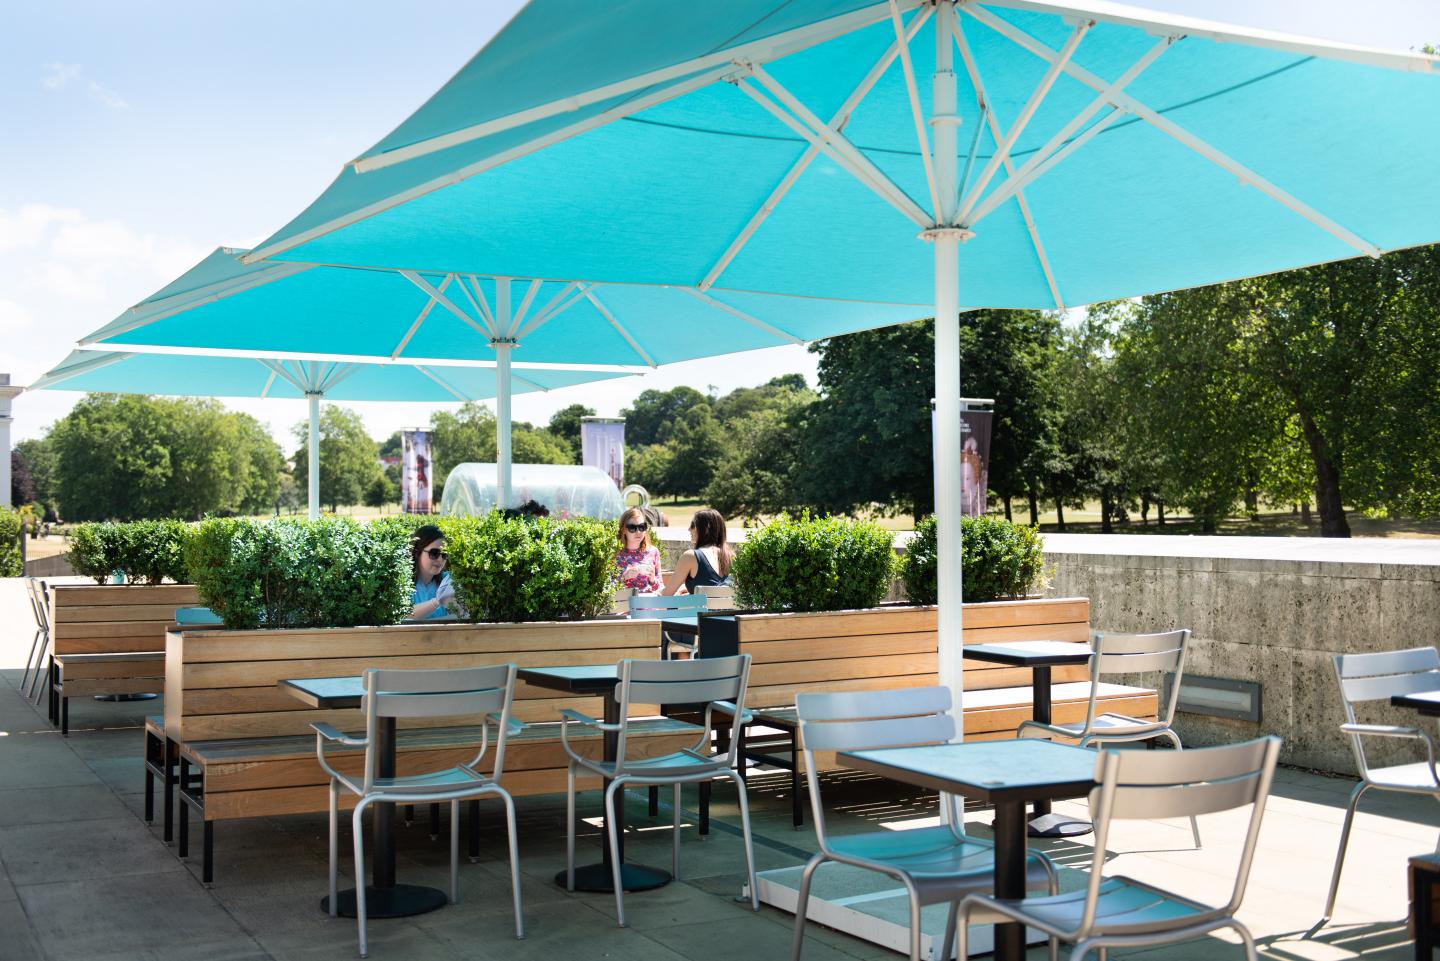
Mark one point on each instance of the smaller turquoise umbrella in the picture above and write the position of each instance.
(189, 375)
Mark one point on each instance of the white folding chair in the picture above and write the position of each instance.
(707, 681)
(1378, 677)
(1116, 653)
(480, 691)
(717, 597)
(936, 865)
(40, 647)
(1121, 912)
(655, 607)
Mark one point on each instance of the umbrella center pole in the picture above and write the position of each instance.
(312, 463)
(946, 239)
(503, 418)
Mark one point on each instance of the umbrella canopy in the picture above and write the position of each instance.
(425, 317)
(184, 375)
(1079, 150)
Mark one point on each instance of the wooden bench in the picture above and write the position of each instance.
(242, 747)
(109, 640)
(896, 647)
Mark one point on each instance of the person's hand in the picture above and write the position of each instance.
(446, 594)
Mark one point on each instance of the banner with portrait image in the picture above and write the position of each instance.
(416, 472)
(975, 428)
(602, 445)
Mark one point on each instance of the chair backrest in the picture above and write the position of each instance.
(1379, 677)
(718, 597)
(393, 693)
(657, 606)
(869, 720)
(1117, 653)
(696, 681)
(1166, 784)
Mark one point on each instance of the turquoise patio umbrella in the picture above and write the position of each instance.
(409, 317)
(189, 375)
(1031, 154)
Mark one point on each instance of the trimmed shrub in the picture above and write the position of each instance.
(814, 564)
(11, 564)
(325, 573)
(998, 558)
(146, 551)
(531, 568)
(400, 528)
(98, 549)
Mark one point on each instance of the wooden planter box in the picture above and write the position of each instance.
(114, 619)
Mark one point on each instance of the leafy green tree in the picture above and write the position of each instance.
(654, 413)
(22, 484)
(113, 457)
(382, 491)
(468, 436)
(697, 444)
(761, 471)
(39, 456)
(565, 424)
(349, 460)
(263, 464)
(649, 467)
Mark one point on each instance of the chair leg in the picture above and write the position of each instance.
(915, 930)
(675, 854)
(1360, 789)
(455, 852)
(739, 780)
(1194, 825)
(334, 901)
(802, 904)
(357, 828)
(515, 863)
(1246, 938)
(962, 934)
(1081, 949)
(613, 836)
(941, 951)
(797, 810)
(570, 828)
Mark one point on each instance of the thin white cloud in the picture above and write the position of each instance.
(106, 96)
(57, 76)
(28, 227)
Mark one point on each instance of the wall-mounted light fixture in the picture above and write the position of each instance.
(1217, 697)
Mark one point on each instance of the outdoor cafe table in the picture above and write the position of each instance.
(1039, 656)
(1007, 774)
(383, 897)
(599, 679)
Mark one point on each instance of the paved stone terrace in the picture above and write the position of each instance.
(83, 877)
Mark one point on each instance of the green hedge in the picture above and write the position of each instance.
(531, 568)
(11, 564)
(400, 528)
(999, 558)
(147, 552)
(814, 564)
(325, 573)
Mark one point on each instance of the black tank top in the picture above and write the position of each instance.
(706, 575)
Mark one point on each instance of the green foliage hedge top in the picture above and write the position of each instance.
(10, 563)
(531, 568)
(814, 564)
(147, 552)
(998, 558)
(325, 573)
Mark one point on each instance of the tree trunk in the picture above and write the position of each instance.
(1007, 508)
(1160, 513)
(1327, 482)
(1059, 515)
(1034, 508)
(1105, 526)
(1144, 511)
(1252, 504)
(1305, 517)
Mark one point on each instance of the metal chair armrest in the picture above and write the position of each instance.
(328, 732)
(1051, 729)
(728, 707)
(568, 714)
(1411, 733)
(511, 729)
(567, 717)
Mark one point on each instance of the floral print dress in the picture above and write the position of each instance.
(647, 581)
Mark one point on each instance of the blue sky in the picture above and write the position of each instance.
(136, 137)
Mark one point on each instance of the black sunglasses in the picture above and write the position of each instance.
(637, 528)
(435, 554)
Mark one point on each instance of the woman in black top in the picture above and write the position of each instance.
(707, 562)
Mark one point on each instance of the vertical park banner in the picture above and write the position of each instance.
(602, 445)
(416, 472)
(975, 426)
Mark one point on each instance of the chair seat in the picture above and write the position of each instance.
(1125, 906)
(1108, 724)
(1418, 777)
(942, 867)
(679, 764)
(432, 782)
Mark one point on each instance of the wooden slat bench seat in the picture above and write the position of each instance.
(896, 647)
(79, 675)
(109, 639)
(242, 746)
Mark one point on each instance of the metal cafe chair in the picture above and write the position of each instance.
(937, 865)
(1121, 912)
(39, 594)
(486, 691)
(709, 681)
(1378, 677)
(1116, 653)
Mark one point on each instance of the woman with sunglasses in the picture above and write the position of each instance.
(637, 560)
(707, 562)
(434, 595)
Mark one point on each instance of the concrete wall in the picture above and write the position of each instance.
(1273, 610)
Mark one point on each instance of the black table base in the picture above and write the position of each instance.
(597, 878)
(397, 901)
